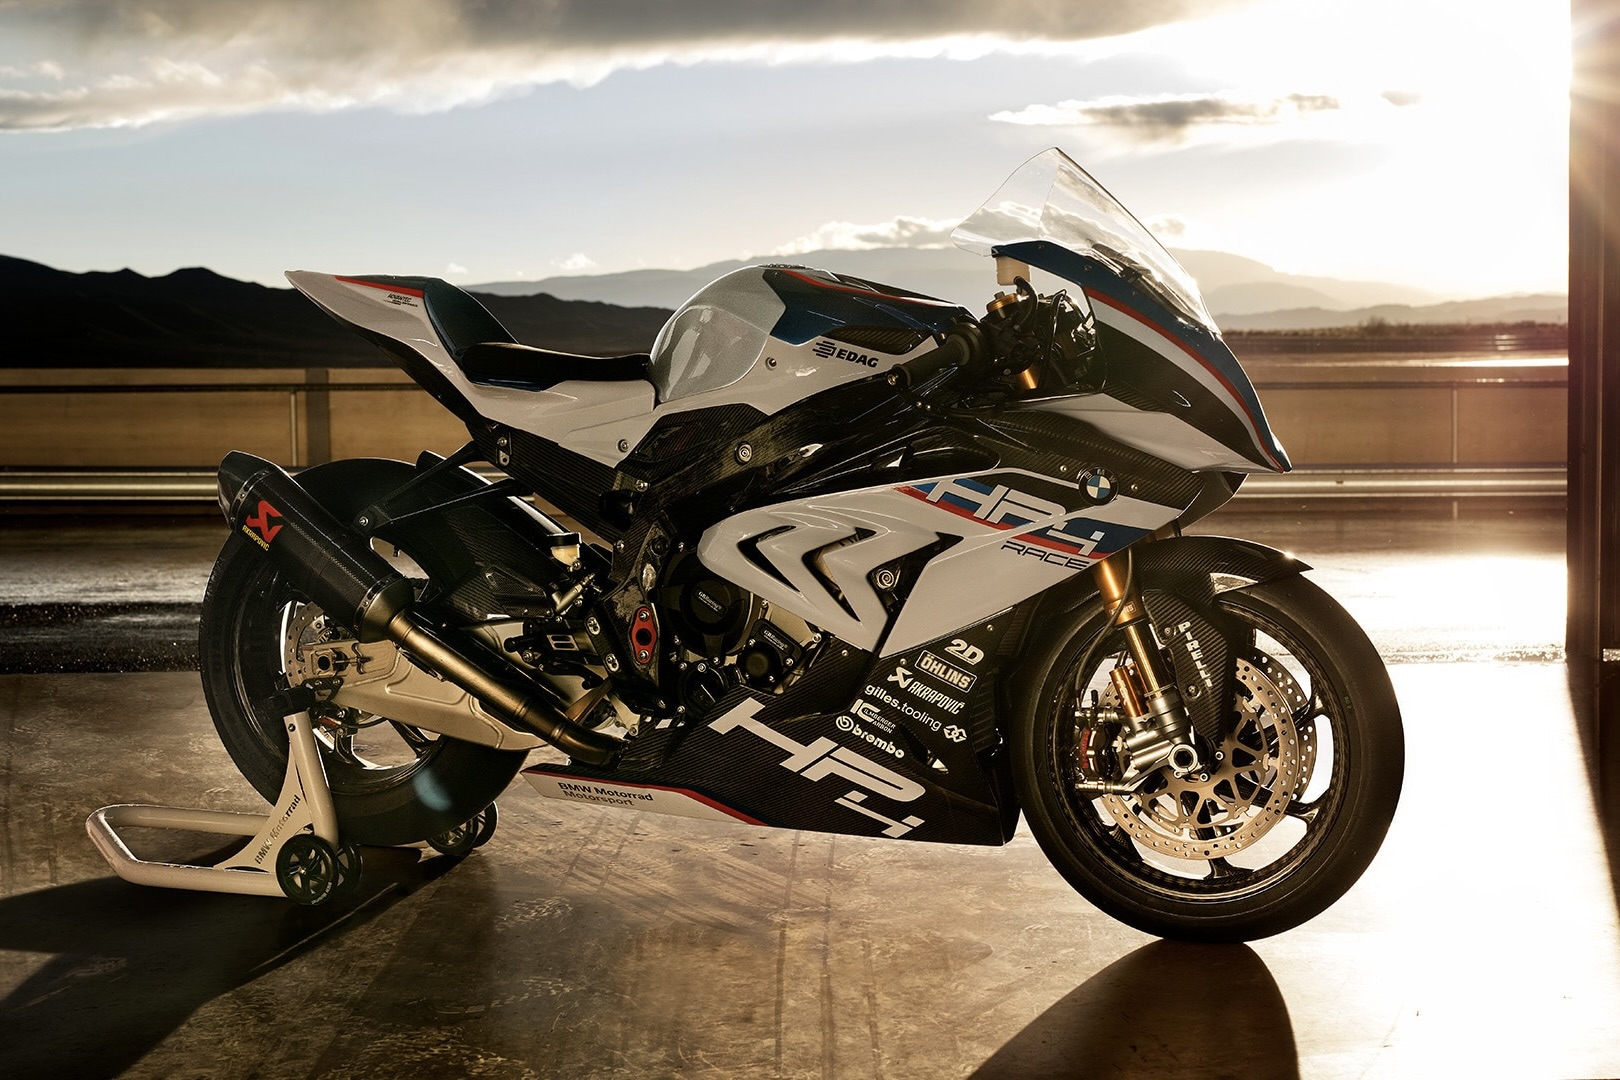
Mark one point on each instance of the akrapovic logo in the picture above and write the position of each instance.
(831, 350)
(262, 528)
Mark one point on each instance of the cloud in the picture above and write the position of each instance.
(131, 62)
(1170, 117)
(913, 232)
(1168, 228)
(577, 263)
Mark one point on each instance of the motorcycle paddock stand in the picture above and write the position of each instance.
(294, 852)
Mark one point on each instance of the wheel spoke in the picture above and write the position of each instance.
(412, 737)
(1117, 838)
(343, 748)
(1304, 812)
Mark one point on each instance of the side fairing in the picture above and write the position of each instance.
(985, 542)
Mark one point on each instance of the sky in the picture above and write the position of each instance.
(1414, 141)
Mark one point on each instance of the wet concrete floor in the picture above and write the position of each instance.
(590, 942)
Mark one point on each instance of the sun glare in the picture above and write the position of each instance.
(1450, 121)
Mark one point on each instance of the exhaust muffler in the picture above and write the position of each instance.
(336, 567)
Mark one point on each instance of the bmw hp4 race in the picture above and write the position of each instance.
(839, 557)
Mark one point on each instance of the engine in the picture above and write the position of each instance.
(723, 637)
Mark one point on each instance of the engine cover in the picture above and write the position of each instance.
(709, 615)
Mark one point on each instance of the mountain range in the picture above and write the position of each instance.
(1242, 293)
(197, 318)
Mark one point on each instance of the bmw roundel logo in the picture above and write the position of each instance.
(1098, 486)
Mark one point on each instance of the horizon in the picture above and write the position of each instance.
(476, 286)
(1423, 316)
(1352, 140)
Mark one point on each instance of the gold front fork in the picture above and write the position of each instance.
(1160, 732)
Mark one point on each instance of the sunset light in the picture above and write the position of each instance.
(1419, 143)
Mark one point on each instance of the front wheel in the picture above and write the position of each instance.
(1296, 795)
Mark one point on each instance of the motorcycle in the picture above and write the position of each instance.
(847, 559)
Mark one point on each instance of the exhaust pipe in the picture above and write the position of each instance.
(336, 568)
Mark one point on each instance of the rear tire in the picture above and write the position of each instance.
(438, 784)
(1299, 803)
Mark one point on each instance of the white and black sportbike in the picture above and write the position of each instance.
(847, 559)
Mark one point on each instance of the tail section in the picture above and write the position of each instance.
(423, 323)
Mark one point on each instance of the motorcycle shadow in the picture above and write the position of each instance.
(129, 964)
(1168, 1009)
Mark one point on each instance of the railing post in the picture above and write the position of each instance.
(293, 440)
(318, 416)
(1593, 629)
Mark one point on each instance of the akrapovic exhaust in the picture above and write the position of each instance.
(324, 559)
(335, 567)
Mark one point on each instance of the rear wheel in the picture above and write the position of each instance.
(1295, 798)
(391, 783)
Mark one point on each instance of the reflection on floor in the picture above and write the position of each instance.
(597, 942)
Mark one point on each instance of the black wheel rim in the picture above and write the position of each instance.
(1137, 853)
(259, 675)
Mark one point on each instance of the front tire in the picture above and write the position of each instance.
(1282, 823)
(391, 784)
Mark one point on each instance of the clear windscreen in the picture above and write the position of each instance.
(1052, 199)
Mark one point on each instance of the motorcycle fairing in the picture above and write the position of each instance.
(785, 334)
(820, 557)
(909, 756)
(1157, 360)
(560, 782)
(777, 315)
(419, 320)
(1160, 351)
(880, 318)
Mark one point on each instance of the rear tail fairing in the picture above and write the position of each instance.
(392, 313)
(425, 322)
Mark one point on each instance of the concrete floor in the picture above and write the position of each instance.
(586, 942)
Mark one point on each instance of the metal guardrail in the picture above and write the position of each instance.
(124, 486)
(1436, 482)
(197, 486)
(159, 485)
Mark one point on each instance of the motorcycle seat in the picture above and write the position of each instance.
(524, 367)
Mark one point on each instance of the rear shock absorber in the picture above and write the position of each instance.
(1157, 731)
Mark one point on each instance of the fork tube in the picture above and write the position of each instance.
(1123, 600)
(1161, 733)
